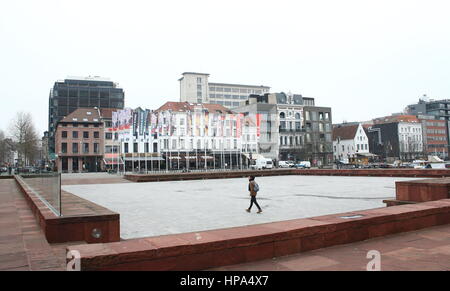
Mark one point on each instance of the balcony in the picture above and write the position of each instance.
(297, 130)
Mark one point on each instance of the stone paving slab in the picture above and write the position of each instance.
(23, 246)
(160, 208)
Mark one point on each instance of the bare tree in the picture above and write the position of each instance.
(3, 147)
(24, 134)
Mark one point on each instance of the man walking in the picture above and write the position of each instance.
(253, 188)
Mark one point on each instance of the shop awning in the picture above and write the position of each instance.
(254, 156)
(113, 161)
(143, 159)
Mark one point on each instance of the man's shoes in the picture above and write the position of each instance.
(248, 210)
(259, 211)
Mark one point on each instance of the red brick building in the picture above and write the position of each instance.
(80, 141)
(435, 136)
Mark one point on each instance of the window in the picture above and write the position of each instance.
(74, 134)
(282, 115)
(135, 147)
(96, 134)
(85, 134)
(96, 148)
(64, 147)
(125, 148)
(85, 148)
(146, 147)
(64, 134)
(75, 148)
(108, 135)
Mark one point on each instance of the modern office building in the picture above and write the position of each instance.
(196, 88)
(434, 136)
(80, 92)
(396, 137)
(440, 110)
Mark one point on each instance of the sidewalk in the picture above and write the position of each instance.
(23, 246)
(427, 250)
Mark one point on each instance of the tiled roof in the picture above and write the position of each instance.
(83, 115)
(107, 112)
(396, 118)
(345, 131)
(186, 106)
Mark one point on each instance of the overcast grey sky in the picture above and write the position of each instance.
(362, 58)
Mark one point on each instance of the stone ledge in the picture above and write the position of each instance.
(423, 190)
(71, 228)
(196, 251)
(424, 173)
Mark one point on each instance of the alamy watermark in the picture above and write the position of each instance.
(375, 260)
(73, 261)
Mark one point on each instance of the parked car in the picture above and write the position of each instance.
(3, 169)
(285, 164)
(303, 165)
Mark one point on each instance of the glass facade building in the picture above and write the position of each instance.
(78, 92)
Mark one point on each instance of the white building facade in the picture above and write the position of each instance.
(349, 141)
(410, 139)
(196, 88)
(181, 135)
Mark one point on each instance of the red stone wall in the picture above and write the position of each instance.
(59, 229)
(257, 242)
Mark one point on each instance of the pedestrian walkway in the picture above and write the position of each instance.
(427, 250)
(22, 243)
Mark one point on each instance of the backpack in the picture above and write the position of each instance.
(256, 187)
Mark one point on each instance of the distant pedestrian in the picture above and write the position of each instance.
(9, 170)
(253, 188)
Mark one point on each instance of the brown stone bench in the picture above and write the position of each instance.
(207, 249)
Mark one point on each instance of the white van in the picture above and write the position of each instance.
(263, 163)
(284, 164)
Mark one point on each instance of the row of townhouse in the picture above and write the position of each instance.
(184, 135)
(396, 137)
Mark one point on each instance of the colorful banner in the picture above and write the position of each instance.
(189, 123)
(115, 120)
(258, 125)
(147, 122)
(141, 121)
(206, 116)
(135, 123)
